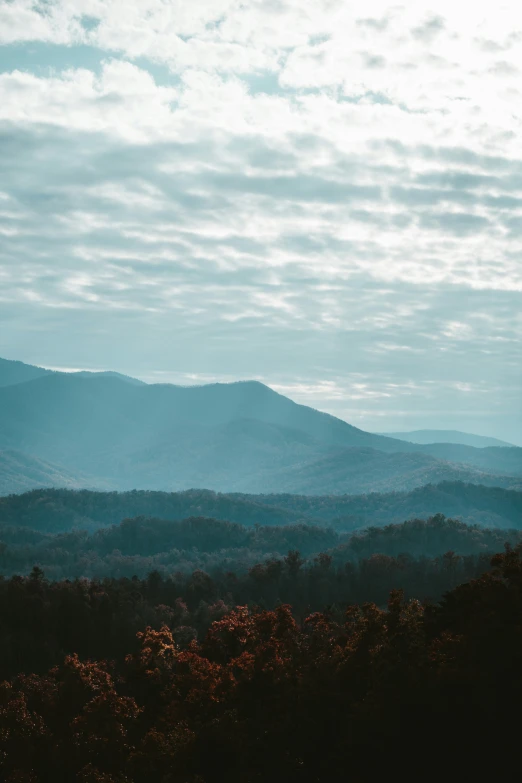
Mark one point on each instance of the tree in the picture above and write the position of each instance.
(293, 562)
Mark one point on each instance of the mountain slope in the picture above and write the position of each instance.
(12, 372)
(108, 374)
(493, 459)
(19, 472)
(427, 437)
(230, 437)
(106, 400)
(353, 471)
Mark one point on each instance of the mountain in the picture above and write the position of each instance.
(447, 436)
(507, 461)
(20, 472)
(108, 374)
(12, 372)
(241, 437)
(355, 471)
(160, 407)
(52, 510)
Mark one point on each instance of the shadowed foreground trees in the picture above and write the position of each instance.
(412, 691)
(41, 621)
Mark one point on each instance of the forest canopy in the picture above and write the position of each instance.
(140, 545)
(257, 693)
(60, 510)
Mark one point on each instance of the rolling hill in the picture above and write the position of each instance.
(53, 510)
(476, 504)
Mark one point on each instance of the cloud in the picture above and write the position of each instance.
(429, 29)
(327, 199)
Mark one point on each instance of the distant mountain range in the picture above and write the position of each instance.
(104, 430)
(448, 436)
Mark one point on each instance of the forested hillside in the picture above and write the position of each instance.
(59, 509)
(137, 546)
(173, 680)
(491, 506)
(54, 510)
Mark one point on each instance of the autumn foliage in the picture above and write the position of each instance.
(412, 691)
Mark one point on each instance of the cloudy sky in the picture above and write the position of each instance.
(323, 195)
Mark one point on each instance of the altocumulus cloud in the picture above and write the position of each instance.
(319, 195)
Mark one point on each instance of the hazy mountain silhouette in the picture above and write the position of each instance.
(367, 470)
(12, 372)
(20, 472)
(236, 437)
(494, 459)
(448, 436)
(107, 374)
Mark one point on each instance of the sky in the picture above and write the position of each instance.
(325, 196)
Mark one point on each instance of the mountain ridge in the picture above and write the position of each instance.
(13, 372)
(455, 437)
(242, 437)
